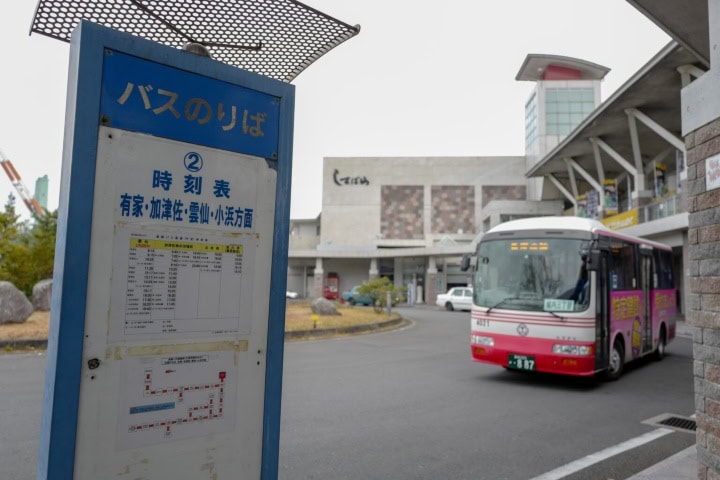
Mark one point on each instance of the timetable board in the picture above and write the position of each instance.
(165, 352)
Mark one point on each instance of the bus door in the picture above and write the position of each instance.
(646, 284)
(602, 313)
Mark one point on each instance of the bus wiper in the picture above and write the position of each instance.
(501, 302)
(555, 315)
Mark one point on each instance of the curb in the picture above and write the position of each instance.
(298, 335)
(23, 343)
(370, 327)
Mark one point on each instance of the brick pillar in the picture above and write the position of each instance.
(703, 284)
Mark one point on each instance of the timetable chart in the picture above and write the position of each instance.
(178, 285)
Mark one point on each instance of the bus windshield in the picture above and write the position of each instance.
(543, 274)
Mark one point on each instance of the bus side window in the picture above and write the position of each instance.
(663, 269)
(622, 266)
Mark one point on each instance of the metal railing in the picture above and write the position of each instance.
(665, 208)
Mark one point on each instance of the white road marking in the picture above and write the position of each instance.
(596, 457)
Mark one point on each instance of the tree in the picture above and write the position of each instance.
(10, 230)
(41, 243)
(27, 252)
(378, 288)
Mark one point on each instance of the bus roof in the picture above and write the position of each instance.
(570, 223)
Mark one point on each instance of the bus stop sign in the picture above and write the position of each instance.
(165, 352)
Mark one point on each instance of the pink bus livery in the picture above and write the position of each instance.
(566, 295)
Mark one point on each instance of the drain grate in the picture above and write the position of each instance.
(677, 422)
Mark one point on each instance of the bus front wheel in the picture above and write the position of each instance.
(615, 366)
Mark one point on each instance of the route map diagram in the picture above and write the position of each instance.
(176, 396)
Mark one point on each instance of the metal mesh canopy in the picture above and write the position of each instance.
(275, 38)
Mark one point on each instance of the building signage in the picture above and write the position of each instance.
(163, 101)
(347, 180)
(712, 172)
(621, 220)
(610, 198)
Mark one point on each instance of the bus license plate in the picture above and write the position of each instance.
(521, 362)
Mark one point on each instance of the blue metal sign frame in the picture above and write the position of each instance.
(89, 106)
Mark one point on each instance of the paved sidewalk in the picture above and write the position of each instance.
(681, 466)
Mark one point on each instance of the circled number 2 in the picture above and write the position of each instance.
(193, 161)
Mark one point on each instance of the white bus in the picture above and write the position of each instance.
(567, 295)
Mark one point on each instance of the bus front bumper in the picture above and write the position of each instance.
(521, 353)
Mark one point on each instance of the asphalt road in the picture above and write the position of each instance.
(21, 397)
(409, 404)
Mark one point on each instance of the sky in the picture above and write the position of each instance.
(421, 79)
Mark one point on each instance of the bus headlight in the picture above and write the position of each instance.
(572, 349)
(480, 340)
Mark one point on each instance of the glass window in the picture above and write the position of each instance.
(566, 109)
(562, 96)
(575, 95)
(530, 120)
(622, 266)
(663, 278)
(521, 274)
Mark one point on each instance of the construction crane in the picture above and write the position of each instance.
(32, 204)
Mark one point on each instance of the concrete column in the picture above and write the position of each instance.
(398, 272)
(431, 282)
(702, 309)
(318, 277)
(374, 272)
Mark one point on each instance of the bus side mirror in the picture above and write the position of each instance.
(593, 260)
(465, 263)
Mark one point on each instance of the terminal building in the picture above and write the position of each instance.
(412, 218)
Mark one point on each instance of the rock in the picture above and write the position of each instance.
(14, 305)
(42, 295)
(323, 306)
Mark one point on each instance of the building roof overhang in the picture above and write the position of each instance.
(535, 64)
(654, 90)
(686, 22)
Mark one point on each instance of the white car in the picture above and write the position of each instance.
(457, 298)
(289, 294)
